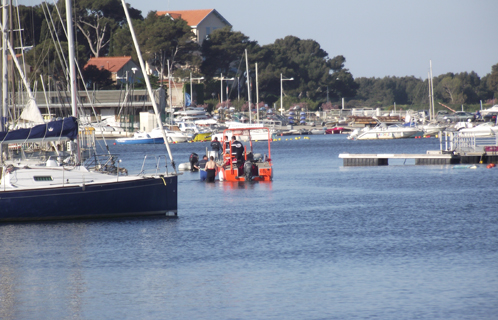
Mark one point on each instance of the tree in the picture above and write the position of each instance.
(122, 43)
(162, 38)
(450, 89)
(221, 49)
(313, 71)
(96, 21)
(493, 80)
(31, 21)
(47, 59)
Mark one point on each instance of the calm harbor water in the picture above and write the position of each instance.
(321, 241)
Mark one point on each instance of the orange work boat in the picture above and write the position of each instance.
(241, 164)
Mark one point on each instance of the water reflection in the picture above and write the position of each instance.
(49, 269)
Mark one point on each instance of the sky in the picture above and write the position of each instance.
(378, 38)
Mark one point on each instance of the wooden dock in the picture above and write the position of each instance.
(430, 158)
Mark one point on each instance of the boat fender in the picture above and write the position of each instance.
(248, 170)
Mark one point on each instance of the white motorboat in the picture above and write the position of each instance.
(140, 138)
(487, 129)
(190, 115)
(172, 136)
(318, 131)
(107, 131)
(433, 128)
(383, 131)
(198, 133)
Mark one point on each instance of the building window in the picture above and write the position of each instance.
(208, 30)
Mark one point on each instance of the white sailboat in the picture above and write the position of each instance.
(52, 190)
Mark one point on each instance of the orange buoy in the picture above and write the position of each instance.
(489, 166)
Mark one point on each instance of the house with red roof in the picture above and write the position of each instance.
(122, 68)
(202, 22)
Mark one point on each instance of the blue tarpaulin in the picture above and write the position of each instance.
(65, 129)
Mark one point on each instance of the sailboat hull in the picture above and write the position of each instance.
(141, 197)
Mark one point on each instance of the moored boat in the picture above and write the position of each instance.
(61, 193)
(172, 136)
(62, 189)
(334, 130)
(318, 131)
(41, 189)
(486, 129)
(140, 138)
(433, 128)
(383, 131)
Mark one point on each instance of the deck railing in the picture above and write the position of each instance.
(463, 143)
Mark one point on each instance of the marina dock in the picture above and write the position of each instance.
(455, 148)
(351, 159)
(430, 158)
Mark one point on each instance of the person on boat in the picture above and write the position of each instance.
(237, 148)
(238, 153)
(216, 146)
(211, 169)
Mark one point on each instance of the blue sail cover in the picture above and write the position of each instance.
(65, 129)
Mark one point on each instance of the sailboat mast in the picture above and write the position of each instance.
(432, 93)
(5, 89)
(147, 82)
(72, 69)
(248, 87)
(170, 95)
(257, 94)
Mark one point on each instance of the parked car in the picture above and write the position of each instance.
(490, 117)
(460, 116)
(442, 115)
